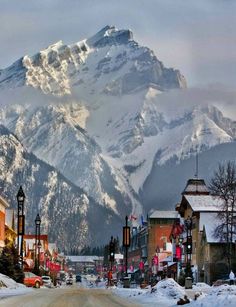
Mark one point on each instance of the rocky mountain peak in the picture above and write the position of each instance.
(110, 35)
(110, 62)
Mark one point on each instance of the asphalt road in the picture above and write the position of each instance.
(68, 297)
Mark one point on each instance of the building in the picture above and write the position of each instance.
(198, 205)
(84, 264)
(160, 224)
(138, 246)
(10, 232)
(3, 206)
(213, 260)
(30, 252)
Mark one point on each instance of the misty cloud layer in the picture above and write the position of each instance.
(224, 99)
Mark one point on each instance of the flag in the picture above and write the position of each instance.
(132, 217)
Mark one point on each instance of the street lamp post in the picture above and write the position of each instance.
(20, 224)
(37, 241)
(188, 227)
(126, 242)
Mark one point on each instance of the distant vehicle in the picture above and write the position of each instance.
(32, 280)
(78, 278)
(62, 276)
(47, 281)
(69, 281)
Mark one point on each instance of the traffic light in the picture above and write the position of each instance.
(189, 245)
(112, 250)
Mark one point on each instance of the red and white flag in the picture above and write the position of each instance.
(132, 217)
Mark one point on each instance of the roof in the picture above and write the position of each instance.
(209, 222)
(163, 214)
(204, 202)
(83, 258)
(196, 186)
(4, 202)
(209, 218)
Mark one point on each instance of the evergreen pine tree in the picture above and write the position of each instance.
(9, 263)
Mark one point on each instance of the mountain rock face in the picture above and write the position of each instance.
(108, 117)
(68, 214)
(109, 62)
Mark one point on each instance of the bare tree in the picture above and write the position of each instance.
(223, 184)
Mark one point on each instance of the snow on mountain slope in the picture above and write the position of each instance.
(56, 138)
(58, 201)
(109, 62)
(133, 130)
(109, 115)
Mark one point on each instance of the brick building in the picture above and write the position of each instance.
(160, 224)
(3, 206)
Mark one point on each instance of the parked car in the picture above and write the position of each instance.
(47, 281)
(32, 280)
(78, 278)
(69, 281)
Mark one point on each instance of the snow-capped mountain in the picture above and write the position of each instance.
(109, 115)
(53, 136)
(109, 62)
(61, 204)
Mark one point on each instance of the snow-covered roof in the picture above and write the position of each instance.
(163, 214)
(209, 221)
(83, 258)
(208, 218)
(195, 186)
(204, 202)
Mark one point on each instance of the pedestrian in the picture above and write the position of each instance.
(231, 277)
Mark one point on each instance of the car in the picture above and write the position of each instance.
(69, 281)
(78, 278)
(32, 280)
(47, 281)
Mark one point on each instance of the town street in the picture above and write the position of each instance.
(67, 297)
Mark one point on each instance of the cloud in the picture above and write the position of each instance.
(175, 101)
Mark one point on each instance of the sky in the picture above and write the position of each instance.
(195, 36)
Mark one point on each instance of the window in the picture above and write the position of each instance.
(164, 243)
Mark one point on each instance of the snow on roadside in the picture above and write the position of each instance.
(224, 295)
(165, 293)
(8, 287)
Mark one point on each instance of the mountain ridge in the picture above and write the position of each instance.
(59, 67)
(108, 115)
(58, 201)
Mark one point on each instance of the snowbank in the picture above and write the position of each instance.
(169, 289)
(8, 287)
(224, 295)
(165, 293)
